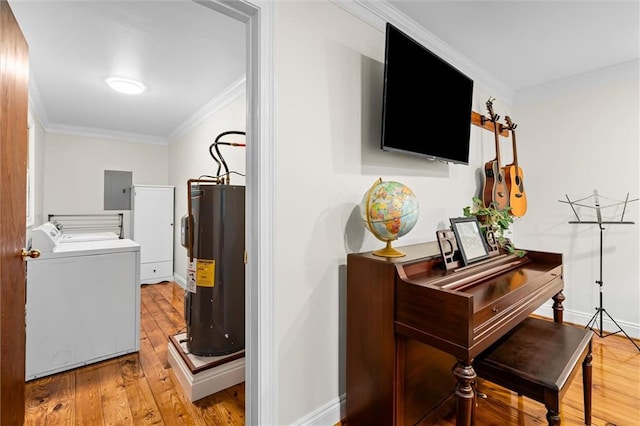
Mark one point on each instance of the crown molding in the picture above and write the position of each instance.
(378, 13)
(37, 109)
(579, 82)
(90, 132)
(227, 96)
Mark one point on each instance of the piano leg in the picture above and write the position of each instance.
(465, 394)
(558, 308)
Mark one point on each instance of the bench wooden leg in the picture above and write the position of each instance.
(586, 384)
(552, 401)
(513, 364)
(553, 418)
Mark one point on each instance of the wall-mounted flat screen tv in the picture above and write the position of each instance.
(427, 102)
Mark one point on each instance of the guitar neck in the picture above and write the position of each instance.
(494, 118)
(497, 139)
(515, 151)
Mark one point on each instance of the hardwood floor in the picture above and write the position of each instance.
(135, 389)
(616, 393)
(141, 388)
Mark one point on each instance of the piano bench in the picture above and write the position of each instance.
(538, 359)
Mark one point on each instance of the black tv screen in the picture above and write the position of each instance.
(427, 102)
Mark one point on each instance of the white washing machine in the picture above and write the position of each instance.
(48, 235)
(88, 236)
(83, 301)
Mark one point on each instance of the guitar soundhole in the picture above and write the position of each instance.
(489, 173)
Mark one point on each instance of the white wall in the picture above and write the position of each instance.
(575, 136)
(74, 171)
(329, 90)
(189, 158)
(38, 169)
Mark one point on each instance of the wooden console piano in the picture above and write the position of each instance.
(414, 328)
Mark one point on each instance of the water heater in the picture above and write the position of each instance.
(214, 234)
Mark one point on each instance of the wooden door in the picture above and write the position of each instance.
(14, 74)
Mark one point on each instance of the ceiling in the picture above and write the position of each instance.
(187, 53)
(525, 43)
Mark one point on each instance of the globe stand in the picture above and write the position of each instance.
(389, 251)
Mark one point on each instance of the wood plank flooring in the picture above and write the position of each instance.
(141, 388)
(615, 399)
(135, 389)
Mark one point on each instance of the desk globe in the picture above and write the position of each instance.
(389, 210)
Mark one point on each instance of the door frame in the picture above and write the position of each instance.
(261, 361)
(261, 348)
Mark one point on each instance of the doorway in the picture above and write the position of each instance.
(261, 367)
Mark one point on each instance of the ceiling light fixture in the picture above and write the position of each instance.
(126, 85)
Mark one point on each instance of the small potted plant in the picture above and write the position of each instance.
(494, 219)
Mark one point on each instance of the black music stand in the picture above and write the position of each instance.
(600, 222)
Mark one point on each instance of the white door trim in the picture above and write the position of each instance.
(261, 345)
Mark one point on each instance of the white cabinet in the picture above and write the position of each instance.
(152, 228)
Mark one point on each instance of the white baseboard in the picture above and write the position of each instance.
(157, 280)
(334, 411)
(329, 414)
(180, 280)
(206, 382)
(581, 318)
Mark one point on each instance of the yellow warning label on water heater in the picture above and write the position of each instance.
(205, 273)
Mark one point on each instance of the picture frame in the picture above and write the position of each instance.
(471, 242)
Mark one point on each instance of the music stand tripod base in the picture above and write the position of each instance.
(600, 222)
(598, 315)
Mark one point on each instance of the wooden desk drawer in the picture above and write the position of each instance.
(500, 317)
(498, 296)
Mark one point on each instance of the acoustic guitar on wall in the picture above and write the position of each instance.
(514, 177)
(495, 192)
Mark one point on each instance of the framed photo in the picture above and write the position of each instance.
(470, 239)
